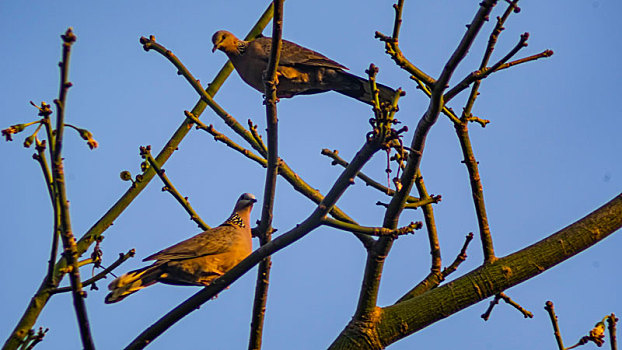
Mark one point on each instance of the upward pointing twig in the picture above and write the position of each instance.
(58, 178)
(265, 225)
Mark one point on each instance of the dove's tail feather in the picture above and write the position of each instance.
(360, 89)
(132, 282)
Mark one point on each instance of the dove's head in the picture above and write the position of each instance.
(224, 41)
(245, 201)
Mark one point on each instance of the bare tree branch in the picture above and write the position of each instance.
(58, 177)
(145, 152)
(122, 258)
(265, 225)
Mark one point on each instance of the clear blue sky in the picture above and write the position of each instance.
(550, 156)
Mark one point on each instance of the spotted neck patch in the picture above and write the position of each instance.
(242, 45)
(235, 220)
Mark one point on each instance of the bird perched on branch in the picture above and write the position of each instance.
(196, 261)
(301, 71)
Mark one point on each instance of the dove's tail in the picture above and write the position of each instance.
(360, 89)
(132, 282)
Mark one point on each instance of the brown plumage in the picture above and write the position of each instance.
(301, 71)
(196, 261)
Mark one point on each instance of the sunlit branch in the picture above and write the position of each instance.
(103, 274)
(372, 231)
(58, 177)
(145, 152)
(508, 300)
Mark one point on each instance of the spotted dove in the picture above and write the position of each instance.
(301, 71)
(196, 261)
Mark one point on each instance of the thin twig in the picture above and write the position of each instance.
(392, 48)
(145, 152)
(611, 326)
(265, 225)
(433, 279)
(477, 191)
(508, 300)
(460, 258)
(491, 306)
(372, 231)
(218, 136)
(49, 184)
(337, 160)
(33, 338)
(485, 72)
(430, 224)
(253, 129)
(122, 258)
(558, 337)
(58, 177)
(432, 199)
(526, 313)
(492, 41)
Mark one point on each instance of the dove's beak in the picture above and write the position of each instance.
(214, 48)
